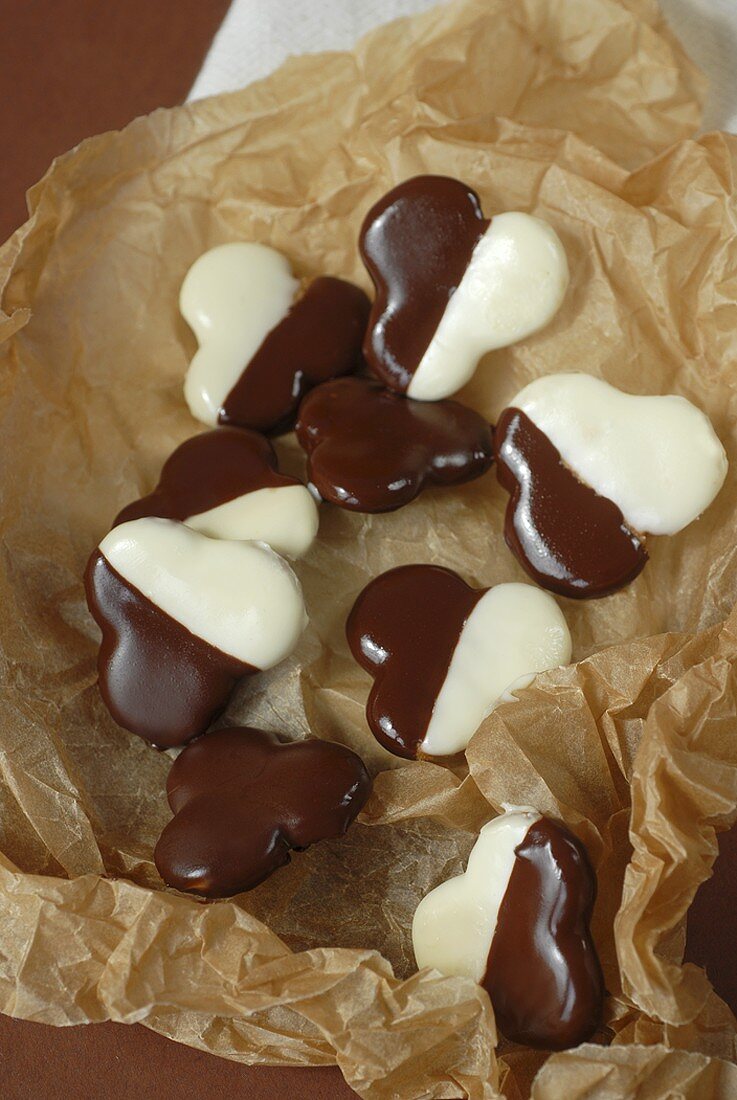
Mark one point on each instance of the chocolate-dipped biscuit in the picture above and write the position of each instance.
(242, 801)
(183, 619)
(371, 450)
(226, 484)
(517, 921)
(265, 338)
(443, 654)
(452, 285)
(591, 471)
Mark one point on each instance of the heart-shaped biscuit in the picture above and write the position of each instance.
(226, 484)
(183, 619)
(242, 800)
(443, 654)
(371, 450)
(452, 285)
(264, 339)
(517, 922)
(592, 471)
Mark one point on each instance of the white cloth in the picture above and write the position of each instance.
(257, 35)
(708, 31)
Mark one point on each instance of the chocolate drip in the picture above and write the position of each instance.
(242, 800)
(568, 538)
(319, 339)
(371, 450)
(543, 974)
(208, 470)
(156, 678)
(416, 243)
(403, 630)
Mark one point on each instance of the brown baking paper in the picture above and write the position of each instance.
(315, 966)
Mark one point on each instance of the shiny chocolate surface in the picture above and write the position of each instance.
(242, 800)
(543, 975)
(371, 450)
(416, 243)
(319, 339)
(208, 470)
(569, 539)
(403, 630)
(156, 678)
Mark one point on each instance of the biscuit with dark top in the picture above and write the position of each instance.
(370, 450)
(242, 801)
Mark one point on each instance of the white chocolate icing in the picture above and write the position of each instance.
(231, 297)
(513, 632)
(240, 597)
(657, 458)
(455, 923)
(514, 284)
(285, 517)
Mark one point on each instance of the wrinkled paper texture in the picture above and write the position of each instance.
(541, 105)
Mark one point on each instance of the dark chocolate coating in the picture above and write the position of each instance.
(156, 678)
(416, 243)
(569, 539)
(371, 450)
(242, 800)
(208, 470)
(403, 630)
(543, 974)
(319, 339)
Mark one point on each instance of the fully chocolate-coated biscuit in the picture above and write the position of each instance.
(242, 801)
(371, 450)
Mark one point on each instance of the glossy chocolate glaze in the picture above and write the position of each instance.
(371, 450)
(403, 630)
(242, 800)
(208, 470)
(543, 974)
(319, 339)
(569, 539)
(156, 678)
(416, 243)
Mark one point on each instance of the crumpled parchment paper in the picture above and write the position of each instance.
(541, 105)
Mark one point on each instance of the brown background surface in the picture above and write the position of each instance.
(68, 69)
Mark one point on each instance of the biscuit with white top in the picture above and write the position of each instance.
(184, 618)
(452, 285)
(517, 922)
(443, 655)
(593, 471)
(265, 338)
